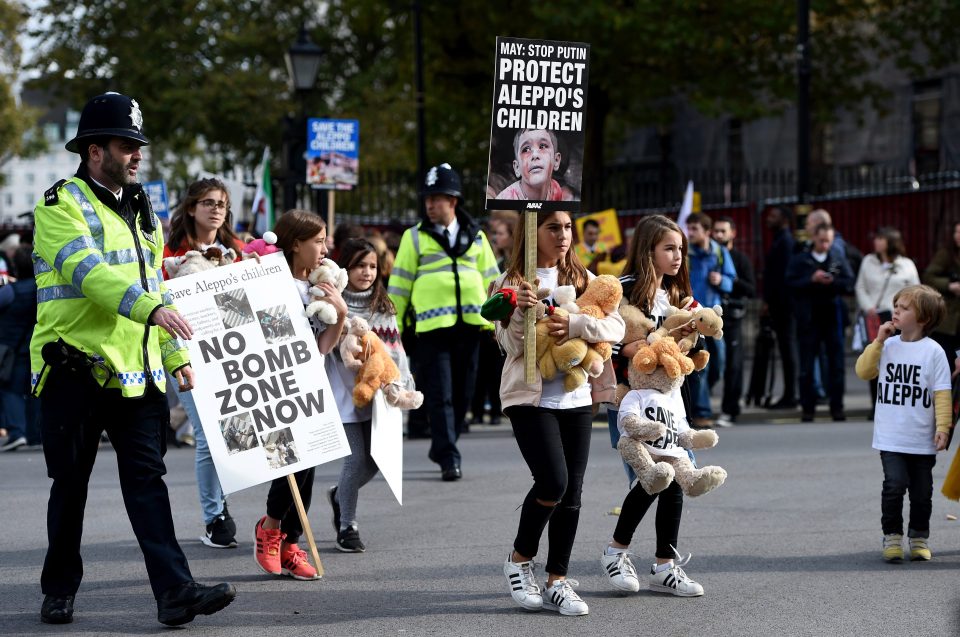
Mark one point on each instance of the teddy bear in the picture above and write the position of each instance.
(576, 358)
(327, 272)
(261, 247)
(702, 320)
(194, 261)
(638, 326)
(655, 436)
(363, 352)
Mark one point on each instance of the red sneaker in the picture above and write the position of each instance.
(295, 563)
(266, 548)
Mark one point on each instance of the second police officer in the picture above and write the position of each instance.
(443, 268)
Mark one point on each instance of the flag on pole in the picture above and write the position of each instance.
(686, 208)
(263, 217)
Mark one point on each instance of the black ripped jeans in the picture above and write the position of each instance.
(555, 443)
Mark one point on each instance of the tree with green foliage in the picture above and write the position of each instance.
(213, 69)
(16, 121)
(201, 70)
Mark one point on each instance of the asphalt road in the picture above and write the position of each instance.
(788, 546)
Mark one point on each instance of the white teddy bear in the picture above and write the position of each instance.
(196, 261)
(327, 272)
(565, 297)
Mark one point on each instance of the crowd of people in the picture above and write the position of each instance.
(90, 336)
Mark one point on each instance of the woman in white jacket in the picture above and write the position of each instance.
(883, 273)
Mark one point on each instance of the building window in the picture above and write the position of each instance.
(30, 199)
(29, 178)
(9, 199)
(51, 130)
(926, 126)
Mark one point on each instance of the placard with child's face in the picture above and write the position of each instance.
(537, 128)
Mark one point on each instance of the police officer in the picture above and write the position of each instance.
(443, 268)
(106, 331)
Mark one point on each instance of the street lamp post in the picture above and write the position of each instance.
(303, 61)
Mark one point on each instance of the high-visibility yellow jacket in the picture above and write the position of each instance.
(98, 281)
(443, 284)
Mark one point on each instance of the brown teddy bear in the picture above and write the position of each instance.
(638, 326)
(363, 352)
(576, 358)
(655, 434)
(702, 320)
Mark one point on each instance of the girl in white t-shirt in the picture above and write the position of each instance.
(655, 278)
(302, 236)
(913, 412)
(552, 426)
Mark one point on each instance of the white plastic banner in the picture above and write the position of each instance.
(261, 390)
(386, 443)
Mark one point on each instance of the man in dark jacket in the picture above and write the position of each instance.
(818, 277)
(734, 309)
(777, 301)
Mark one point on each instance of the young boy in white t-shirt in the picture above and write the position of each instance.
(913, 414)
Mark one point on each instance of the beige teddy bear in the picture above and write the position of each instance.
(327, 272)
(576, 358)
(638, 326)
(702, 320)
(655, 436)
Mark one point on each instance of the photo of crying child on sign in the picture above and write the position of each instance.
(536, 133)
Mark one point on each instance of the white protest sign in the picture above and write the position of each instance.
(261, 390)
(386, 443)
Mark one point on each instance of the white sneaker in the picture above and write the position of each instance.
(12, 444)
(725, 420)
(620, 571)
(523, 584)
(562, 598)
(674, 581)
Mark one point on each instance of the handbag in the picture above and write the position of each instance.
(867, 326)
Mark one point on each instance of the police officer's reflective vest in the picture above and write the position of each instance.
(441, 288)
(98, 281)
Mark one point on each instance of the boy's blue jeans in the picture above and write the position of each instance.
(903, 473)
(208, 483)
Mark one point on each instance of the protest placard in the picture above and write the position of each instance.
(610, 236)
(261, 390)
(157, 192)
(333, 153)
(537, 128)
(386, 443)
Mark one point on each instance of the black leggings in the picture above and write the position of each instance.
(555, 443)
(669, 510)
(280, 503)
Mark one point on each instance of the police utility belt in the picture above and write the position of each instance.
(65, 357)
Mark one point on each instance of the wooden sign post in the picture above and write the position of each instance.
(530, 316)
(305, 523)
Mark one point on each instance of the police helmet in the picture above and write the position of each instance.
(109, 115)
(442, 180)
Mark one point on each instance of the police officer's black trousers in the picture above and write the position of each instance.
(73, 413)
(447, 373)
